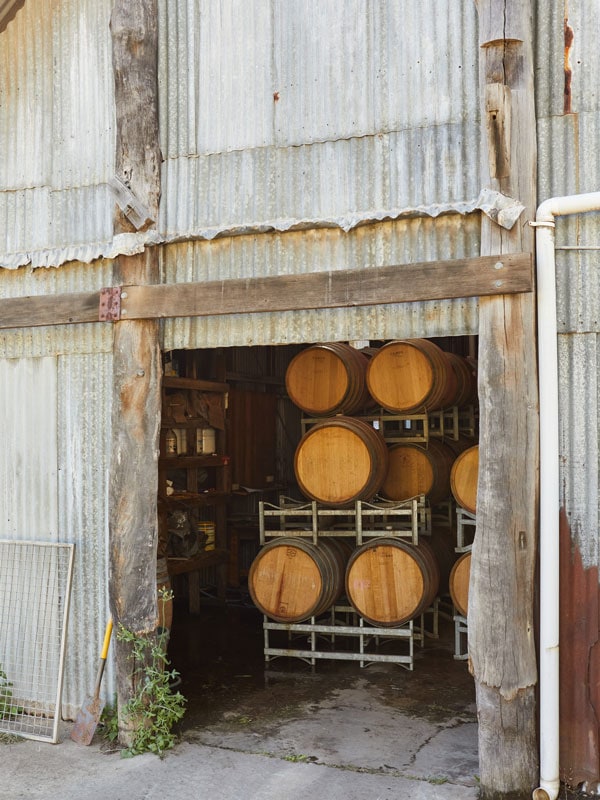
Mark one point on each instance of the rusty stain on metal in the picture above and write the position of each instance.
(569, 36)
(579, 663)
(275, 96)
(110, 304)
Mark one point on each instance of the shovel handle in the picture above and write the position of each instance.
(104, 653)
(107, 634)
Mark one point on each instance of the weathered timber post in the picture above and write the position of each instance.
(502, 589)
(136, 352)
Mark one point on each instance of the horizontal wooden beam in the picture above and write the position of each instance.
(406, 283)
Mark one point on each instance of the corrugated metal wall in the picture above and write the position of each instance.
(273, 115)
(56, 128)
(53, 481)
(311, 113)
(569, 160)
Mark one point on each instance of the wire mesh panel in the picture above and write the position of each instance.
(35, 587)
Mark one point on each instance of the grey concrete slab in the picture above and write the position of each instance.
(35, 771)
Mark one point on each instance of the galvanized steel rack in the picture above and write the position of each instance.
(466, 523)
(343, 622)
(449, 423)
(465, 530)
(363, 520)
(362, 641)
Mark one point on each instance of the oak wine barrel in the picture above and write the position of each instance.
(415, 469)
(463, 478)
(291, 579)
(466, 380)
(391, 581)
(341, 460)
(459, 583)
(411, 376)
(327, 379)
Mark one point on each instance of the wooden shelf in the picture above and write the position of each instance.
(192, 499)
(173, 382)
(209, 558)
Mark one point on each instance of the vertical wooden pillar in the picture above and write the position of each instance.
(502, 589)
(137, 370)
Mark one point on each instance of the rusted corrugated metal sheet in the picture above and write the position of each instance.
(568, 106)
(8, 9)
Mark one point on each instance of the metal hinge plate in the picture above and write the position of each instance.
(110, 304)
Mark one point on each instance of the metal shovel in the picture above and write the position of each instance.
(89, 714)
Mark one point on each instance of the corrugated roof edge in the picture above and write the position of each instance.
(131, 243)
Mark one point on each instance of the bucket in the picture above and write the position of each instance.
(327, 379)
(415, 469)
(411, 376)
(459, 583)
(391, 581)
(165, 607)
(292, 579)
(341, 460)
(463, 478)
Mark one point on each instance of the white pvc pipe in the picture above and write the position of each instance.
(549, 482)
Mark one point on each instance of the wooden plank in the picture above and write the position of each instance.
(60, 309)
(406, 283)
(173, 382)
(502, 586)
(337, 289)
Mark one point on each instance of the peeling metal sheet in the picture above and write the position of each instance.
(132, 243)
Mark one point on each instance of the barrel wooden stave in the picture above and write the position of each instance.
(341, 460)
(463, 479)
(292, 579)
(459, 583)
(466, 380)
(391, 581)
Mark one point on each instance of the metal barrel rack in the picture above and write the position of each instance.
(341, 633)
(465, 532)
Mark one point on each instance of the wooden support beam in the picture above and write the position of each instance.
(406, 283)
(137, 366)
(502, 587)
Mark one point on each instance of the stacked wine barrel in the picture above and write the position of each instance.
(342, 458)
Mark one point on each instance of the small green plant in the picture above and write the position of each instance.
(7, 708)
(155, 708)
(297, 758)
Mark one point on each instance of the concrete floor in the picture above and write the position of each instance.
(336, 731)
